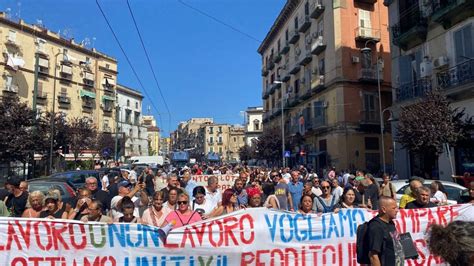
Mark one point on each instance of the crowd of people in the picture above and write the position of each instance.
(159, 197)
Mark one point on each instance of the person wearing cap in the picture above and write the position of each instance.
(51, 202)
(16, 201)
(124, 189)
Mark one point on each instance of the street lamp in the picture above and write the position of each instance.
(369, 50)
(282, 125)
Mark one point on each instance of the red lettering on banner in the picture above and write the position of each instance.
(289, 251)
(211, 234)
(19, 261)
(57, 236)
(228, 229)
(315, 253)
(422, 259)
(82, 229)
(187, 235)
(38, 236)
(242, 231)
(333, 251)
(259, 254)
(280, 253)
(25, 233)
(12, 236)
(100, 261)
(200, 232)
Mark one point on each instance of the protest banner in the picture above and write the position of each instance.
(225, 181)
(247, 237)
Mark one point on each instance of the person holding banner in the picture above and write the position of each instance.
(155, 215)
(183, 215)
(229, 204)
(95, 213)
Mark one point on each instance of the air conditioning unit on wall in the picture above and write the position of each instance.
(355, 59)
(441, 62)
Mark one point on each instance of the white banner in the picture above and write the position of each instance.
(247, 237)
(225, 181)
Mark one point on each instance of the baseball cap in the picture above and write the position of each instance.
(124, 183)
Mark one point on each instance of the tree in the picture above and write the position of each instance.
(268, 145)
(20, 133)
(82, 136)
(246, 152)
(427, 126)
(105, 145)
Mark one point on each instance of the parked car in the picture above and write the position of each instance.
(455, 191)
(76, 179)
(45, 184)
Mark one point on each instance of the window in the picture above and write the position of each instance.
(306, 8)
(136, 105)
(463, 43)
(220, 139)
(371, 143)
(256, 124)
(211, 140)
(296, 22)
(364, 22)
(128, 103)
(319, 113)
(65, 55)
(321, 67)
(107, 66)
(286, 35)
(128, 116)
(43, 64)
(211, 149)
(63, 92)
(12, 36)
(235, 139)
(278, 46)
(297, 86)
(220, 129)
(369, 102)
(220, 150)
(137, 118)
(211, 130)
(8, 81)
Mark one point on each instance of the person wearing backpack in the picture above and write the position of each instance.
(387, 188)
(326, 202)
(375, 245)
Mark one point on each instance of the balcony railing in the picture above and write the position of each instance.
(450, 12)
(294, 36)
(286, 48)
(458, 75)
(318, 46)
(305, 23)
(414, 89)
(369, 117)
(307, 57)
(317, 82)
(11, 88)
(370, 75)
(64, 99)
(366, 34)
(42, 95)
(319, 121)
(317, 9)
(411, 30)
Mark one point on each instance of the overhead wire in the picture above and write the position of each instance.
(126, 57)
(149, 64)
(219, 21)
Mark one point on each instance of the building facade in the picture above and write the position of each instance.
(318, 76)
(129, 121)
(222, 139)
(187, 136)
(432, 49)
(153, 132)
(165, 146)
(72, 79)
(253, 124)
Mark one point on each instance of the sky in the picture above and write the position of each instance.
(204, 68)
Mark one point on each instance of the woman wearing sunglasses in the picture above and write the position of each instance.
(183, 215)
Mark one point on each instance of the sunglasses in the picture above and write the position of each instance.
(325, 187)
(274, 176)
(182, 202)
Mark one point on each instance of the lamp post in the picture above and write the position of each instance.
(282, 125)
(53, 115)
(368, 50)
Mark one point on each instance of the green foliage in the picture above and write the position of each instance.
(268, 145)
(429, 124)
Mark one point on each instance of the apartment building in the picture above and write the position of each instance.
(432, 48)
(222, 139)
(72, 78)
(318, 76)
(129, 121)
(253, 124)
(186, 136)
(165, 146)
(153, 134)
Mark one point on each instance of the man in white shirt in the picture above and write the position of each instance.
(213, 194)
(133, 176)
(286, 175)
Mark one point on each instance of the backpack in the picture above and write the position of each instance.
(362, 244)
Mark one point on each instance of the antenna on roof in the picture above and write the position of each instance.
(149, 110)
(7, 12)
(93, 42)
(19, 10)
(39, 23)
(86, 42)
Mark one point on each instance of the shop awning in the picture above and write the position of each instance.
(108, 98)
(89, 94)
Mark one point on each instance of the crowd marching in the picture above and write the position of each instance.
(131, 198)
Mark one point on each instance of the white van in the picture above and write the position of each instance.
(146, 160)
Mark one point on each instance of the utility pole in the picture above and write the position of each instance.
(117, 109)
(35, 110)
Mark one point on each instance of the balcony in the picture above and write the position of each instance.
(42, 95)
(317, 9)
(64, 99)
(305, 23)
(318, 46)
(367, 34)
(286, 48)
(294, 36)
(370, 2)
(265, 93)
(88, 104)
(295, 69)
(369, 75)
(413, 89)
(264, 71)
(10, 88)
(11, 42)
(369, 117)
(317, 83)
(411, 29)
(270, 65)
(307, 57)
(286, 77)
(108, 107)
(459, 75)
(277, 58)
(306, 95)
(293, 100)
(450, 12)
